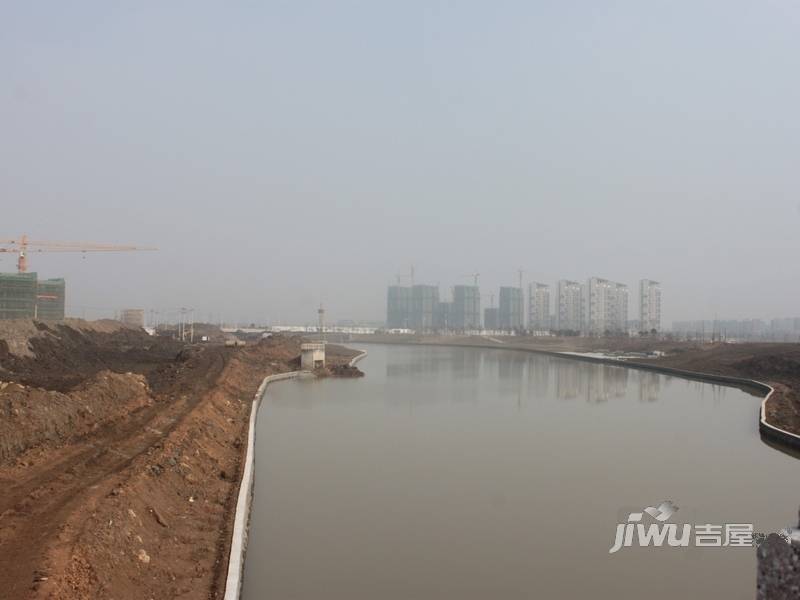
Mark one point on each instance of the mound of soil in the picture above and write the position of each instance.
(60, 357)
(33, 418)
(770, 366)
(339, 371)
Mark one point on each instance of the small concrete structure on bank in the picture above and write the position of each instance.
(312, 355)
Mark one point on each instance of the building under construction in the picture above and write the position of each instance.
(466, 307)
(17, 295)
(424, 307)
(509, 314)
(398, 308)
(418, 307)
(50, 297)
(23, 296)
(415, 307)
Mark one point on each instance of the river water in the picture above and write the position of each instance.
(461, 473)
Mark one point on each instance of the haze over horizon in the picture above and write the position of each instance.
(283, 154)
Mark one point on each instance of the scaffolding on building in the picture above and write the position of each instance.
(17, 295)
(50, 299)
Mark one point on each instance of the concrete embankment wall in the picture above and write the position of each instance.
(233, 583)
(773, 433)
(357, 358)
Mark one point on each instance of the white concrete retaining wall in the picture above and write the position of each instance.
(772, 432)
(355, 359)
(233, 584)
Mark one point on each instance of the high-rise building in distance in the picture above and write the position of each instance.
(444, 316)
(509, 311)
(538, 306)
(619, 317)
(466, 307)
(649, 305)
(424, 307)
(416, 307)
(569, 306)
(398, 307)
(605, 306)
(597, 307)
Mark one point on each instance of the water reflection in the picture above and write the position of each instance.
(594, 383)
(432, 363)
(649, 386)
(527, 374)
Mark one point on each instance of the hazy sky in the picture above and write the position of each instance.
(283, 153)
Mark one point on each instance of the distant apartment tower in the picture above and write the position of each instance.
(509, 310)
(424, 307)
(649, 305)
(606, 306)
(538, 306)
(569, 311)
(398, 307)
(466, 307)
(619, 316)
(597, 297)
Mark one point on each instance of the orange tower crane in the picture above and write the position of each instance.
(23, 246)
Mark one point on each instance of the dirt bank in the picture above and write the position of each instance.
(120, 458)
(775, 364)
(62, 356)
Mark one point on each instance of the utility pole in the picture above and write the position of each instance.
(321, 317)
(521, 301)
(182, 324)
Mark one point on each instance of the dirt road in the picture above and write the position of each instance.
(37, 500)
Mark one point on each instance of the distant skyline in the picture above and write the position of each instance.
(283, 154)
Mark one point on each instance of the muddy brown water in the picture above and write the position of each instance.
(466, 473)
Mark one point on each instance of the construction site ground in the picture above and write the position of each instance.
(120, 457)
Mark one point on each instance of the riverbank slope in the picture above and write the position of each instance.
(120, 458)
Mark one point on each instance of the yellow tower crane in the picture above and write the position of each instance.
(23, 246)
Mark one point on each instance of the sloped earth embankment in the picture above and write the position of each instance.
(122, 484)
